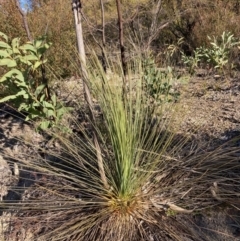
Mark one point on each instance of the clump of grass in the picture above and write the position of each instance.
(148, 175)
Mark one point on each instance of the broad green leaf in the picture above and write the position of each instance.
(44, 110)
(4, 45)
(3, 35)
(29, 47)
(10, 51)
(30, 58)
(50, 113)
(12, 97)
(42, 98)
(44, 125)
(54, 99)
(20, 84)
(23, 106)
(26, 96)
(37, 64)
(8, 62)
(38, 43)
(22, 92)
(4, 53)
(36, 104)
(47, 45)
(15, 45)
(62, 111)
(33, 116)
(20, 77)
(39, 89)
(11, 73)
(48, 105)
(23, 60)
(27, 118)
(33, 113)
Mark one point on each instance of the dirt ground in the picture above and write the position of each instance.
(213, 105)
(211, 108)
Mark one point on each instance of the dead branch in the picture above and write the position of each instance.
(103, 37)
(77, 6)
(25, 22)
(122, 48)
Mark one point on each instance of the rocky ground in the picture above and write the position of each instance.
(211, 108)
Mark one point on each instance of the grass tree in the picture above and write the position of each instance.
(123, 173)
(151, 177)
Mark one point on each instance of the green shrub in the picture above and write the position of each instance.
(217, 56)
(25, 82)
(158, 84)
(192, 62)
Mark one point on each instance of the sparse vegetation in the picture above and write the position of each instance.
(149, 180)
(126, 169)
(158, 84)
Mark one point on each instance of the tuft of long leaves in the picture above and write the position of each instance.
(150, 171)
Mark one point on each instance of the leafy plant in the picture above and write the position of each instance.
(25, 82)
(174, 48)
(173, 52)
(192, 62)
(218, 56)
(157, 83)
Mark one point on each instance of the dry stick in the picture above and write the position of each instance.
(122, 48)
(103, 45)
(103, 37)
(76, 6)
(154, 22)
(154, 29)
(25, 22)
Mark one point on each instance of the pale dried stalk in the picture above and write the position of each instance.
(76, 5)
